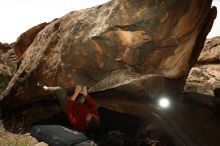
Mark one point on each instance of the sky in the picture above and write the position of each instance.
(17, 16)
(216, 26)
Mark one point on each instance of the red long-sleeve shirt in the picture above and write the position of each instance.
(77, 112)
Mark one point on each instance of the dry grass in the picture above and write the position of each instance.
(11, 139)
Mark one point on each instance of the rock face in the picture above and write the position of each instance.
(144, 47)
(26, 38)
(205, 77)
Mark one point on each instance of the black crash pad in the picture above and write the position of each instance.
(56, 131)
(57, 135)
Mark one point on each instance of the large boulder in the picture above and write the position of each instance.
(144, 47)
(204, 77)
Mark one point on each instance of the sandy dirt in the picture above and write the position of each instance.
(10, 139)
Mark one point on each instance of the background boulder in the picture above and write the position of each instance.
(204, 77)
(211, 51)
(8, 64)
(26, 38)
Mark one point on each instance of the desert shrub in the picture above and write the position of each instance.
(4, 80)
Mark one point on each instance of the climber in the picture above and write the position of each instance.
(80, 108)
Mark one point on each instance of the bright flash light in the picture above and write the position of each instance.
(164, 102)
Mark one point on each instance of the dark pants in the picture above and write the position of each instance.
(61, 95)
